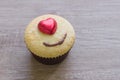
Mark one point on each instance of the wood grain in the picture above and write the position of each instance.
(95, 55)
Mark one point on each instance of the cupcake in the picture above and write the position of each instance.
(49, 38)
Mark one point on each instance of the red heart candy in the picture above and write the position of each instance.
(48, 26)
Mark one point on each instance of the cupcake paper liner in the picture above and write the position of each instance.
(50, 61)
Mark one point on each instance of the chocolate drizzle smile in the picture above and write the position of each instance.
(55, 44)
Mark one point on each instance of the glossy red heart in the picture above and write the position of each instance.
(48, 26)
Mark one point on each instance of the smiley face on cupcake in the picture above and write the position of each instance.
(49, 36)
(49, 27)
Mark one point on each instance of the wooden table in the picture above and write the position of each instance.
(96, 52)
